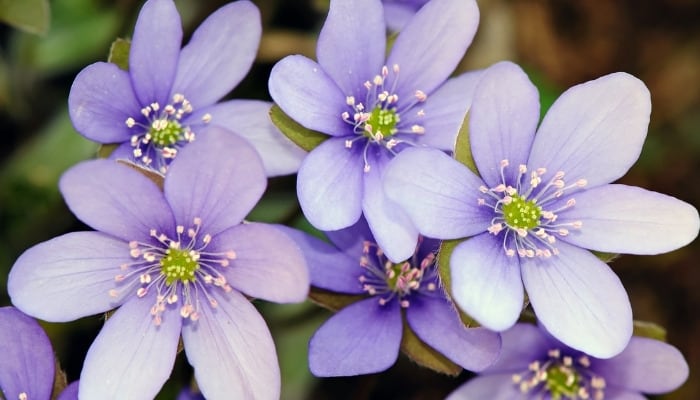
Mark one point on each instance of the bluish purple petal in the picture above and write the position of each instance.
(431, 45)
(70, 392)
(438, 193)
(219, 178)
(492, 387)
(131, 357)
(232, 352)
(329, 185)
(397, 15)
(69, 277)
(594, 130)
(115, 199)
(100, 101)
(615, 393)
(306, 93)
(472, 348)
(351, 45)
(521, 345)
(502, 122)
(486, 282)
(219, 54)
(646, 365)
(154, 52)
(268, 263)
(628, 219)
(27, 362)
(362, 338)
(579, 300)
(351, 240)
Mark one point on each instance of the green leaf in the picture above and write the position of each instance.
(119, 53)
(605, 257)
(274, 207)
(649, 330)
(302, 137)
(463, 149)
(443, 265)
(332, 301)
(422, 354)
(31, 16)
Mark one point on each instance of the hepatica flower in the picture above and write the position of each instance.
(365, 336)
(540, 201)
(534, 365)
(372, 107)
(172, 262)
(397, 13)
(169, 95)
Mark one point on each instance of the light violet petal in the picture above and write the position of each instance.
(329, 185)
(486, 282)
(100, 101)
(594, 130)
(306, 93)
(521, 344)
(70, 392)
(502, 122)
(231, 350)
(362, 338)
(27, 362)
(351, 45)
(615, 393)
(492, 387)
(439, 194)
(628, 219)
(219, 178)
(69, 277)
(115, 199)
(219, 54)
(131, 357)
(472, 348)
(154, 52)
(579, 300)
(397, 15)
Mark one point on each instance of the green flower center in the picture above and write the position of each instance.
(562, 382)
(381, 122)
(179, 265)
(165, 132)
(522, 214)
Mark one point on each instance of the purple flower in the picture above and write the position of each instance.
(169, 95)
(540, 201)
(364, 337)
(174, 261)
(534, 365)
(372, 107)
(397, 13)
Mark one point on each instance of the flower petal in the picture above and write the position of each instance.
(594, 130)
(329, 185)
(362, 338)
(128, 345)
(431, 45)
(521, 344)
(628, 219)
(351, 240)
(397, 15)
(115, 199)
(69, 277)
(27, 363)
(351, 45)
(486, 282)
(231, 350)
(438, 193)
(472, 348)
(492, 387)
(70, 392)
(154, 52)
(579, 300)
(220, 187)
(502, 123)
(308, 95)
(219, 54)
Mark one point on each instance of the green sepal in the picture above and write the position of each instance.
(154, 176)
(605, 257)
(60, 380)
(31, 16)
(463, 149)
(424, 355)
(105, 150)
(649, 330)
(331, 300)
(119, 53)
(443, 265)
(302, 137)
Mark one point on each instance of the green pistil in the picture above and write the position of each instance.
(562, 382)
(166, 135)
(179, 265)
(382, 121)
(521, 213)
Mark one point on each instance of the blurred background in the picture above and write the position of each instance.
(559, 43)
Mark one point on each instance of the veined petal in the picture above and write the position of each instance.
(351, 45)
(502, 122)
(69, 277)
(627, 219)
(129, 344)
(522, 344)
(218, 178)
(472, 348)
(27, 363)
(594, 130)
(439, 194)
(397, 15)
(579, 300)
(362, 338)
(329, 185)
(154, 52)
(231, 350)
(486, 282)
(219, 54)
(492, 387)
(306, 93)
(100, 101)
(351, 240)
